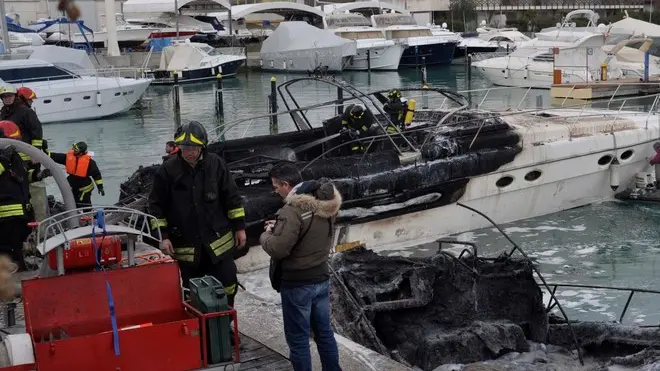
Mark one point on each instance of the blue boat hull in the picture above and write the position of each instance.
(435, 55)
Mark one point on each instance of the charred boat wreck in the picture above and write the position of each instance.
(404, 189)
(426, 166)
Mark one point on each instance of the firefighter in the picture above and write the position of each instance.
(81, 167)
(396, 109)
(26, 95)
(15, 208)
(357, 122)
(21, 114)
(199, 210)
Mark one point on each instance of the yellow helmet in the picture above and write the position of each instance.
(7, 89)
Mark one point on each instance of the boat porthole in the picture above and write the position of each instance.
(605, 160)
(67, 99)
(46, 101)
(117, 94)
(627, 155)
(533, 175)
(87, 97)
(504, 181)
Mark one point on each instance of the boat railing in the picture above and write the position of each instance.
(53, 233)
(74, 77)
(631, 292)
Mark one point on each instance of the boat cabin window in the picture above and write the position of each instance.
(500, 38)
(360, 35)
(29, 74)
(400, 34)
(545, 57)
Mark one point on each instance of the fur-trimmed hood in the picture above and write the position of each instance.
(309, 202)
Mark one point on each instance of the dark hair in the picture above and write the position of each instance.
(286, 172)
(170, 143)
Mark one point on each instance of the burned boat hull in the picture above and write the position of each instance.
(366, 181)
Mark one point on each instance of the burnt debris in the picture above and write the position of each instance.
(456, 310)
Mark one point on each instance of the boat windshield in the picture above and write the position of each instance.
(34, 74)
(355, 35)
(346, 20)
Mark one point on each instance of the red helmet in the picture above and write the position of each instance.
(10, 129)
(26, 93)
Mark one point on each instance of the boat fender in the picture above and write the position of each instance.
(98, 98)
(410, 112)
(614, 174)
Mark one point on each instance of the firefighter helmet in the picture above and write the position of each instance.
(26, 93)
(394, 93)
(80, 147)
(191, 134)
(357, 111)
(10, 129)
(7, 89)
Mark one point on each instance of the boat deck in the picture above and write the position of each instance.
(605, 89)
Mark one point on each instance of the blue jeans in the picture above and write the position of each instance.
(306, 308)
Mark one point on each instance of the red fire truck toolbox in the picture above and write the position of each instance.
(69, 320)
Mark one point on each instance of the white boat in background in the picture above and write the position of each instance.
(505, 37)
(66, 88)
(373, 49)
(466, 45)
(194, 62)
(420, 41)
(128, 34)
(533, 67)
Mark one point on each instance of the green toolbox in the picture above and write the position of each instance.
(208, 296)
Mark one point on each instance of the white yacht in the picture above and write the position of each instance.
(373, 49)
(420, 41)
(466, 45)
(504, 37)
(68, 91)
(531, 67)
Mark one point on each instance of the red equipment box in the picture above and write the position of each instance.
(80, 253)
(75, 310)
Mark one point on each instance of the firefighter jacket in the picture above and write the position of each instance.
(81, 170)
(26, 120)
(197, 209)
(396, 110)
(14, 186)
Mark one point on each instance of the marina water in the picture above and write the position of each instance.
(608, 244)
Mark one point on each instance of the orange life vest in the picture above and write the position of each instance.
(77, 166)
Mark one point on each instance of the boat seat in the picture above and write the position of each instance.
(409, 157)
(82, 232)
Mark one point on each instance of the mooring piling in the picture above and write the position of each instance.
(340, 100)
(273, 106)
(219, 104)
(175, 92)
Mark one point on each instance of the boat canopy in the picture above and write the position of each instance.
(180, 57)
(74, 60)
(304, 47)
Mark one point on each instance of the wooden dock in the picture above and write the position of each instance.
(605, 89)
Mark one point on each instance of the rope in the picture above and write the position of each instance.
(111, 302)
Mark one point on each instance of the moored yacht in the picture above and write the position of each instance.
(373, 49)
(194, 62)
(66, 90)
(422, 45)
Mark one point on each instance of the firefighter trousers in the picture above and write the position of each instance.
(83, 195)
(224, 271)
(14, 231)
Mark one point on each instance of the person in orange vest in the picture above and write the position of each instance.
(80, 166)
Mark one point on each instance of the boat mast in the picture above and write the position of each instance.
(111, 29)
(5, 31)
